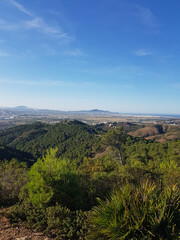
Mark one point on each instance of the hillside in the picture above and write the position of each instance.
(129, 127)
(8, 153)
(85, 176)
(74, 140)
(159, 133)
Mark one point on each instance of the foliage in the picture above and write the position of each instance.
(67, 224)
(115, 138)
(8, 153)
(133, 189)
(53, 180)
(137, 213)
(56, 221)
(74, 140)
(13, 176)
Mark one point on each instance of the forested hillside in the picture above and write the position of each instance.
(90, 182)
(8, 153)
(74, 139)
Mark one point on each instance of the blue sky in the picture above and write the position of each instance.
(117, 55)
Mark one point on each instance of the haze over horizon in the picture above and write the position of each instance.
(120, 56)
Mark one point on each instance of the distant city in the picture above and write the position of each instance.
(13, 116)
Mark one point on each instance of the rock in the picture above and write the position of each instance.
(24, 238)
(38, 234)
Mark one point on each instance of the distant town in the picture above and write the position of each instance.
(10, 117)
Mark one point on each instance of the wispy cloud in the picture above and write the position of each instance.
(37, 83)
(65, 84)
(74, 52)
(4, 25)
(142, 53)
(4, 54)
(48, 49)
(20, 7)
(142, 15)
(35, 23)
(39, 24)
(47, 83)
(124, 72)
(145, 15)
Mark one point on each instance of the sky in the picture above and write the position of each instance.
(116, 55)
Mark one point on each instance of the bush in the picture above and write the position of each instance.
(33, 217)
(13, 176)
(143, 212)
(66, 224)
(56, 221)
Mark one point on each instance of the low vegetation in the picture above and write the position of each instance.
(131, 191)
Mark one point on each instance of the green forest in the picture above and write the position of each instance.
(76, 181)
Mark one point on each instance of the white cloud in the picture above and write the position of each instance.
(35, 22)
(20, 7)
(142, 53)
(39, 24)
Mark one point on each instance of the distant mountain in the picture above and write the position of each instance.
(99, 111)
(48, 111)
(93, 112)
(26, 110)
(18, 108)
(21, 108)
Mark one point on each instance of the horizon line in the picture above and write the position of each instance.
(93, 109)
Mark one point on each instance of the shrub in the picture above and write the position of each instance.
(56, 221)
(66, 224)
(143, 212)
(13, 176)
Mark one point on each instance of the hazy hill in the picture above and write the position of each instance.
(25, 109)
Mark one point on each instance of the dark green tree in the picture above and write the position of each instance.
(115, 138)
